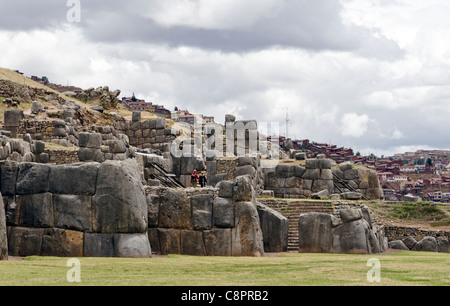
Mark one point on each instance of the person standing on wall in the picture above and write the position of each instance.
(202, 179)
(194, 178)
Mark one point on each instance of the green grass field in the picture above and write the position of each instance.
(399, 269)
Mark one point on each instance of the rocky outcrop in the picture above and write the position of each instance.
(84, 209)
(105, 98)
(352, 232)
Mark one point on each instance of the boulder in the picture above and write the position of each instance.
(427, 244)
(443, 245)
(410, 242)
(119, 204)
(321, 195)
(398, 245)
(275, 229)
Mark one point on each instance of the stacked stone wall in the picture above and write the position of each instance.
(206, 222)
(89, 209)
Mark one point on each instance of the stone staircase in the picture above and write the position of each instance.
(292, 209)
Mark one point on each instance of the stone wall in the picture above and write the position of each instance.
(94, 148)
(229, 168)
(411, 238)
(316, 180)
(352, 232)
(147, 134)
(84, 209)
(59, 157)
(208, 221)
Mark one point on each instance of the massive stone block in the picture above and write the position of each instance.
(247, 239)
(73, 212)
(224, 212)
(78, 179)
(191, 243)
(175, 210)
(170, 241)
(202, 211)
(35, 210)
(62, 243)
(218, 242)
(32, 178)
(98, 245)
(8, 177)
(119, 204)
(132, 246)
(3, 233)
(275, 229)
(314, 231)
(24, 241)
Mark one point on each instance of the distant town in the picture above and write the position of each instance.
(424, 173)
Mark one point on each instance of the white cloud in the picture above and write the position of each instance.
(354, 125)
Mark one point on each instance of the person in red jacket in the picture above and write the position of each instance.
(194, 178)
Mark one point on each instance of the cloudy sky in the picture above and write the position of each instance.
(372, 75)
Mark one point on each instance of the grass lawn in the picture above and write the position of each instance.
(290, 269)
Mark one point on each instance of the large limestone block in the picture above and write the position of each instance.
(202, 211)
(73, 212)
(32, 178)
(247, 239)
(218, 242)
(119, 204)
(175, 210)
(25, 241)
(132, 246)
(192, 243)
(8, 177)
(35, 210)
(77, 179)
(98, 245)
(223, 212)
(170, 241)
(315, 234)
(275, 229)
(62, 243)
(351, 237)
(3, 233)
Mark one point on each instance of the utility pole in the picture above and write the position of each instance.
(287, 123)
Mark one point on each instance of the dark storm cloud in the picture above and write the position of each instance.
(312, 25)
